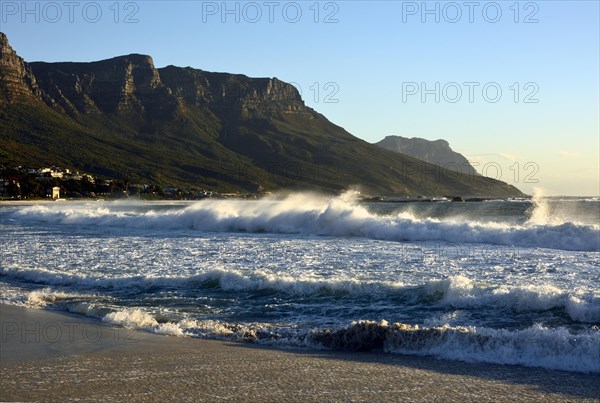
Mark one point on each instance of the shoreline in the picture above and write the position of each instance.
(52, 355)
(61, 201)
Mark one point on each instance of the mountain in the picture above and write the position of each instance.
(437, 152)
(125, 118)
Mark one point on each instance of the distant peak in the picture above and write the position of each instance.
(136, 58)
(442, 141)
(432, 151)
(416, 139)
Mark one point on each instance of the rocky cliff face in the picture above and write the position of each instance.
(229, 94)
(17, 81)
(122, 85)
(436, 152)
(132, 85)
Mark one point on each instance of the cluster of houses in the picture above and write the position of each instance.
(59, 182)
(47, 174)
(11, 180)
(59, 173)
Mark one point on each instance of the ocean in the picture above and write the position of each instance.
(506, 282)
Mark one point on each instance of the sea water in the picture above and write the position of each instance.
(506, 281)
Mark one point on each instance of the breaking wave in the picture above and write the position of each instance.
(40, 298)
(317, 215)
(455, 291)
(536, 346)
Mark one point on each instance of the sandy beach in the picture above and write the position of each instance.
(53, 356)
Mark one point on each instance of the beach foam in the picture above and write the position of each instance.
(536, 346)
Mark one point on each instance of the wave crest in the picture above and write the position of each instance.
(536, 346)
(455, 291)
(540, 346)
(318, 215)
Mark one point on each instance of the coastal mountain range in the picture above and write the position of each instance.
(181, 126)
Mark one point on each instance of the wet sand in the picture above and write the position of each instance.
(52, 356)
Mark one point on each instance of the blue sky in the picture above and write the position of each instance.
(365, 65)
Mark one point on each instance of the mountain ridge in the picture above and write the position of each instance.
(124, 117)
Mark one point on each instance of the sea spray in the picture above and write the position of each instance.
(311, 214)
(546, 210)
(539, 213)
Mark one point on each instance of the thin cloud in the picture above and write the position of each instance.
(569, 154)
(508, 156)
(492, 156)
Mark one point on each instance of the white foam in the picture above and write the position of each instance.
(582, 311)
(462, 292)
(537, 346)
(134, 318)
(170, 329)
(230, 280)
(454, 291)
(39, 298)
(313, 214)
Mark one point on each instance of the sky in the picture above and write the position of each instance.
(512, 85)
